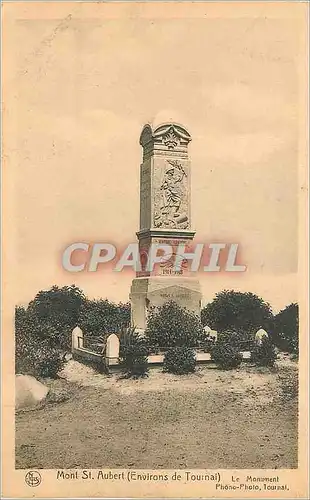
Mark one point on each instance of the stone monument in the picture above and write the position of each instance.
(165, 218)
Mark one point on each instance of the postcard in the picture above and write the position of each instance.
(154, 289)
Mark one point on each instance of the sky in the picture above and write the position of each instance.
(82, 90)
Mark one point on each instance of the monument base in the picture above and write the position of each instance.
(156, 290)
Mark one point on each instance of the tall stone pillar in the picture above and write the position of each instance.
(165, 218)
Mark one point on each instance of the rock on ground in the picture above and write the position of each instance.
(28, 391)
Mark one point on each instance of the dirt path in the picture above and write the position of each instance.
(211, 419)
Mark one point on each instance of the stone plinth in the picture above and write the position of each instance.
(156, 290)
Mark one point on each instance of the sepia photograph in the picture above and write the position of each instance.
(154, 275)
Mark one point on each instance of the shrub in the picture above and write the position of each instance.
(231, 337)
(264, 354)
(286, 326)
(133, 354)
(179, 360)
(49, 362)
(38, 359)
(226, 353)
(207, 342)
(43, 330)
(171, 325)
(56, 312)
(36, 351)
(244, 312)
(102, 316)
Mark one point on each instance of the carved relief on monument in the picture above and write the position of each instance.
(171, 196)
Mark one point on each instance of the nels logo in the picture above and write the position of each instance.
(33, 478)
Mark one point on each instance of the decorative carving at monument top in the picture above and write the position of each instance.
(168, 138)
(171, 140)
